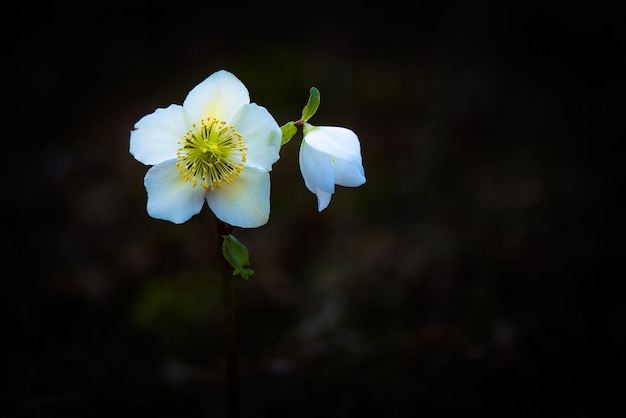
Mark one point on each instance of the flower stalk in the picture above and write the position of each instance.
(230, 327)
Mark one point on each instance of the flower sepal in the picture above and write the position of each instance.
(237, 256)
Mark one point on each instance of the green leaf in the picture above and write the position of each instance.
(237, 256)
(289, 130)
(312, 105)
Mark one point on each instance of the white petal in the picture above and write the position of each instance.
(349, 173)
(220, 95)
(261, 135)
(323, 200)
(156, 136)
(245, 202)
(170, 197)
(317, 170)
(339, 142)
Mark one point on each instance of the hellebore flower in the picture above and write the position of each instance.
(330, 155)
(217, 147)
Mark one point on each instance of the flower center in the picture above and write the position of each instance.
(211, 155)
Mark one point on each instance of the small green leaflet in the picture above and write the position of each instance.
(237, 256)
(312, 105)
(289, 130)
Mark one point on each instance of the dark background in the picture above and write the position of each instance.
(475, 272)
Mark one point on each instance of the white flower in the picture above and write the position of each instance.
(217, 147)
(330, 155)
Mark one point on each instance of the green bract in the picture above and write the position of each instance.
(312, 105)
(237, 256)
(289, 130)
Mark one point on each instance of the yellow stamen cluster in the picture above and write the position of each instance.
(211, 155)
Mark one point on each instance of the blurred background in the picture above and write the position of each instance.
(474, 272)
